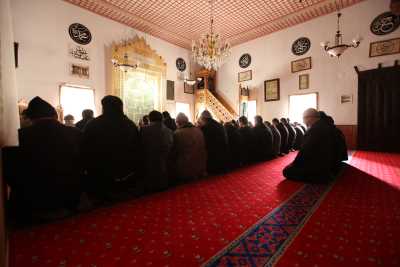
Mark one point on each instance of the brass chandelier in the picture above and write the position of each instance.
(210, 51)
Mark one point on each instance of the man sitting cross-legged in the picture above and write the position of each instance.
(313, 163)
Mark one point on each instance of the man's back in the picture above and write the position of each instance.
(216, 145)
(317, 151)
(248, 145)
(263, 140)
(299, 137)
(277, 140)
(284, 137)
(111, 146)
(190, 150)
(291, 136)
(51, 159)
(156, 140)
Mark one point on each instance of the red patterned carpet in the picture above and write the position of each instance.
(358, 223)
(250, 217)
(182, 227)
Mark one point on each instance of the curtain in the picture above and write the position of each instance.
(379, 109)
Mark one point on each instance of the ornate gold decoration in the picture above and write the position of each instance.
(207, 99)
(137, 47)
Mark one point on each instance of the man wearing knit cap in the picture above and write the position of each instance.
(50, 180)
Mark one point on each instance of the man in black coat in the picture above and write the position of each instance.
(216, 143)
(168, 121)
(284, 135)
(299, 137)
(50, 177)
(313, 162)
(234, 144)
(248, 142)
(111, 151)
(263, 140)
(87, 116)
(157, 141)
(292, 133)
(276, 146)
(340, 146)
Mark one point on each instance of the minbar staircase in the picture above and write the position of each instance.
(207, 98)
(216, 104)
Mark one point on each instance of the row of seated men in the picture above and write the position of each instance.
(109, 154)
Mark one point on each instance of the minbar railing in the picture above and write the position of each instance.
(222, 112)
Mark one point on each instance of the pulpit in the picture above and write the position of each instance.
(205, 84)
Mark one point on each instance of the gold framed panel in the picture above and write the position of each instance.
(301, 64)
(384, 48)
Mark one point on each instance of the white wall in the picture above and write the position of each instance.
(41, 28)
(330, 77)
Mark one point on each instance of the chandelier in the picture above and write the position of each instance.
(338, 49)
(125, 64)
(209, 51)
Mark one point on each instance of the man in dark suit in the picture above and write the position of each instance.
(168, 121)
(263, 140)
(234, 144)
(157, 141)
(340, 146)
(313, 163)
(50, 178)
(111, 151)
(276, 146)
(299, 136)
(216, 143)
(291, 131)
(87, 116)
(248, 142)
(284, 135)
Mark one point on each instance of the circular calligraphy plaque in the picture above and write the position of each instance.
(180, 64)
(245, 61)
(301, 46)
(79, 33)
(385, 23)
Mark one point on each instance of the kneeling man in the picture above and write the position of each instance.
(313, 163)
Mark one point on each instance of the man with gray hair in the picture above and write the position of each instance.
(189, 151)
(313, 163)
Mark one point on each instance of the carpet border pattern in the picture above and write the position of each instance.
(264, 242)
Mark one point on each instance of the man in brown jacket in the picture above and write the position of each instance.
(189, 152)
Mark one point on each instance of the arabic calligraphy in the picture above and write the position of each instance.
(180, 64)
(80, 34)
(79, 52)
(245, 61)
(81, 71)
(386, 47)
(385, 23)
(301, 46)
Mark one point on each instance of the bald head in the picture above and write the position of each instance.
(310, 116)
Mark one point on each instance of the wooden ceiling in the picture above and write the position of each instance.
(181, 21)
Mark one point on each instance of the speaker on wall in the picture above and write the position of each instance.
(16, 46)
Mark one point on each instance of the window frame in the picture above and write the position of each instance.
(78, 86)
(308, 93)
